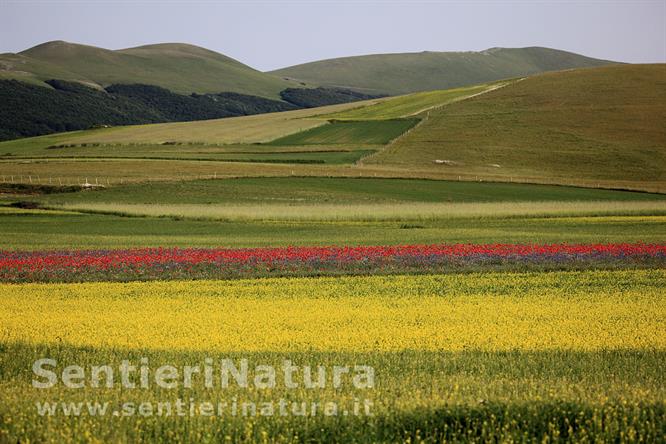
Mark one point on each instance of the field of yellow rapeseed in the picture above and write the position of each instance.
(582, 311)
(571, 356)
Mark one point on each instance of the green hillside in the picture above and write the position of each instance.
(591, 124)
(425, 71)
(413, 104)
(178, 67)
(599, 127)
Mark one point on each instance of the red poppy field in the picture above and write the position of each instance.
(175, 263)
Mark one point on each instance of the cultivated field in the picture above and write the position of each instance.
(456, 357)
(519, 300)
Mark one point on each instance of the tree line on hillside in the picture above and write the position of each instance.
(314, 97)
(32, 110)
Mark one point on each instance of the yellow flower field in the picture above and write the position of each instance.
(580, 311)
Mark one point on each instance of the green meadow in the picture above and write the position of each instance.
(337, 190)
(373, 132)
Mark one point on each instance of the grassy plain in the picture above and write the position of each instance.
(337, 190)
(338, 154)
(571, 356)
(372, 132)
(57, 230)
(112, 171)
(394, 212)
(323, 211)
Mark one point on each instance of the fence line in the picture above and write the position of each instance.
(88, 182)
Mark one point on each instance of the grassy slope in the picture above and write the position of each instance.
(178, 67)
(412, 104)
(144, 142)
(595, 124)
(27, 69)
(597, 127)
(232, 130)
(247, 129)
(410, 72)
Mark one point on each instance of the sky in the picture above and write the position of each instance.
(273, 34)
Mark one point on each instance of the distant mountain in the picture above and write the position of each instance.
(411, 72)
(178, 67)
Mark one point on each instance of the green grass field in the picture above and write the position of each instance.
(308, 155)
(372, 132)
(324, 211)
(37, 230)
(323, 190)
(175, 151)
(412, 104)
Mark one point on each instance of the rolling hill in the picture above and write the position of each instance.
(412, 72)
(599, 127)
(590, 124)
(178, 67)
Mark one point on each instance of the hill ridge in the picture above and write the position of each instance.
(179, 67)
(403, 73)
